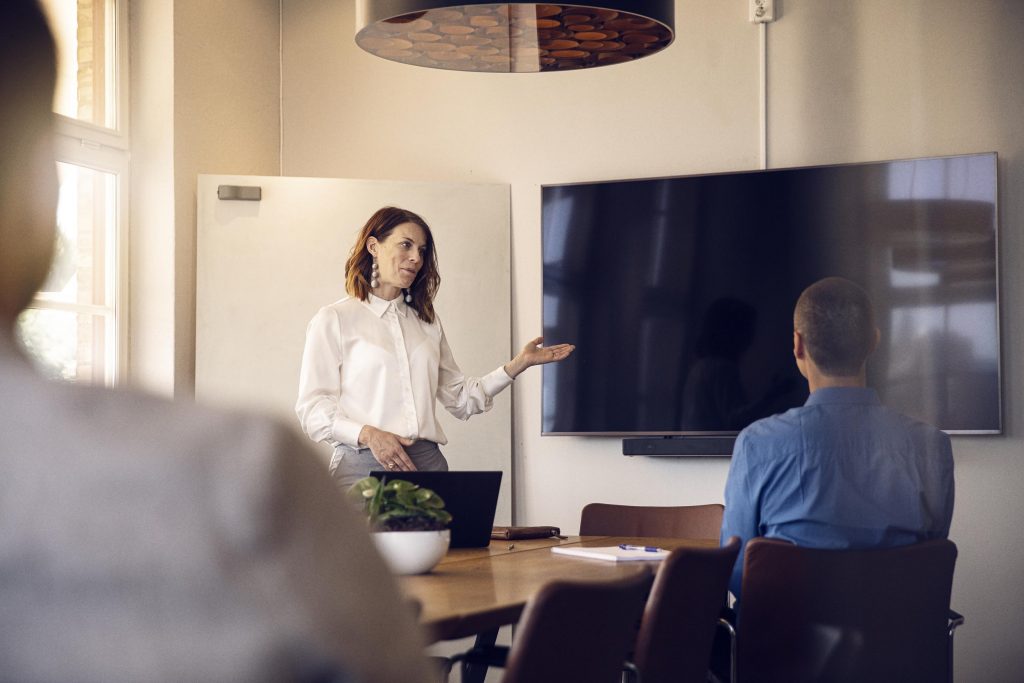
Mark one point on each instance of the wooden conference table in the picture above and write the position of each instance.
(478, 590)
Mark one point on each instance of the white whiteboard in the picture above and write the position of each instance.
(264, 268)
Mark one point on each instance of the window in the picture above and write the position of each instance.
(75, 328)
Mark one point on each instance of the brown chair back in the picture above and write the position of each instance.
(845, 615)
(578, 631)
(686, 521)
(678, 627)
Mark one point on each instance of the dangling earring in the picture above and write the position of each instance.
(408, 297)
(374, 274)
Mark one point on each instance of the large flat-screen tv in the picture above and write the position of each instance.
(679, 292)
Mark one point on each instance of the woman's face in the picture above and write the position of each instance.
(399, 257)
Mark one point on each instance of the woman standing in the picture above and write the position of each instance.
(377, 362)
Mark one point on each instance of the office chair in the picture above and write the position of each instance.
(572, 631)
(846, 615)
(678, 626)
(687, 521)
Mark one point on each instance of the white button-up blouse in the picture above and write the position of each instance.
(377, 363)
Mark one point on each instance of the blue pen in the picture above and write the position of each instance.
(645, 548)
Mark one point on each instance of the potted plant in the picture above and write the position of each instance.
(408, 523)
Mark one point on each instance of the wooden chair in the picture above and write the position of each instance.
(846, 615)
(678, 626)
(572, 631)
(687, 521)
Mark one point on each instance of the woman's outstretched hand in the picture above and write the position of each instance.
(388, 449)
(534, 354)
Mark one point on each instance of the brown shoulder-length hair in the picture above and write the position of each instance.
(357, 269)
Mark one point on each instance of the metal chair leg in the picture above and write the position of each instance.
(955, 619)
(473, 672)
(724, 623)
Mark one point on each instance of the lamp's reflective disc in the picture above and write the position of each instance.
(513, 37)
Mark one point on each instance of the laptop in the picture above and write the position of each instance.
(470, 496)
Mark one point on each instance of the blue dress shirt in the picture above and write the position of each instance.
(841, 471)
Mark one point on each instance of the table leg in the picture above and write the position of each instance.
(476, 673)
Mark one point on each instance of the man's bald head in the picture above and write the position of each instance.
(835, 318)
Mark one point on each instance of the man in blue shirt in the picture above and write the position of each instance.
(841, 471)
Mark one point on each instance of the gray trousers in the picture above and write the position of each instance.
(349, 465)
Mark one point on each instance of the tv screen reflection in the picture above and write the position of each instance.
(679, 292)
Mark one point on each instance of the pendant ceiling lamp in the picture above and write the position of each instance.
(513, 37)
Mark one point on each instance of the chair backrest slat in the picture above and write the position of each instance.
(686, 521)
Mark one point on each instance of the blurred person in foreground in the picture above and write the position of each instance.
(146, 540)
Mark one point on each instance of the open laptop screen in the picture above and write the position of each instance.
(470, 496)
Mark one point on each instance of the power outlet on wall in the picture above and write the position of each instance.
(762, 11)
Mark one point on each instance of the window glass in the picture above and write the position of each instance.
(69, 328)
(87, 68)
(85, 231)
(76, 347)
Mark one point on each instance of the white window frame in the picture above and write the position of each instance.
(106, 150)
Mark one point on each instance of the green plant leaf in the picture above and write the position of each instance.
(399, 504)
(363, 489)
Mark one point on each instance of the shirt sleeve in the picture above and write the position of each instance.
(742, 516)
(947, 486)
(464, 396)
(320, 383)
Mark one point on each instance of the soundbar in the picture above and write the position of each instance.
(679, 445)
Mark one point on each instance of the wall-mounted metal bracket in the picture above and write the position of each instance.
(245, 193)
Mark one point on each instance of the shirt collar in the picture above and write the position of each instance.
(380, 306)
(844, 395)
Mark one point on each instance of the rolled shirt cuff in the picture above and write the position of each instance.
(495, 382)
(347, 432)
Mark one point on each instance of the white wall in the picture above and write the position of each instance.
(226, 119)
(151, 236)
(848, 82)
(205, 98)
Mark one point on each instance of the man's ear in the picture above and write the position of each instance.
(803, 361)
(878, 339)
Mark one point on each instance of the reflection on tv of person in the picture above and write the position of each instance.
(377, 362)
(714, 398)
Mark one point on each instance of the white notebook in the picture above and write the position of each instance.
(612, 553)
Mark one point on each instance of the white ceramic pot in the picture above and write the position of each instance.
(412, 552)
